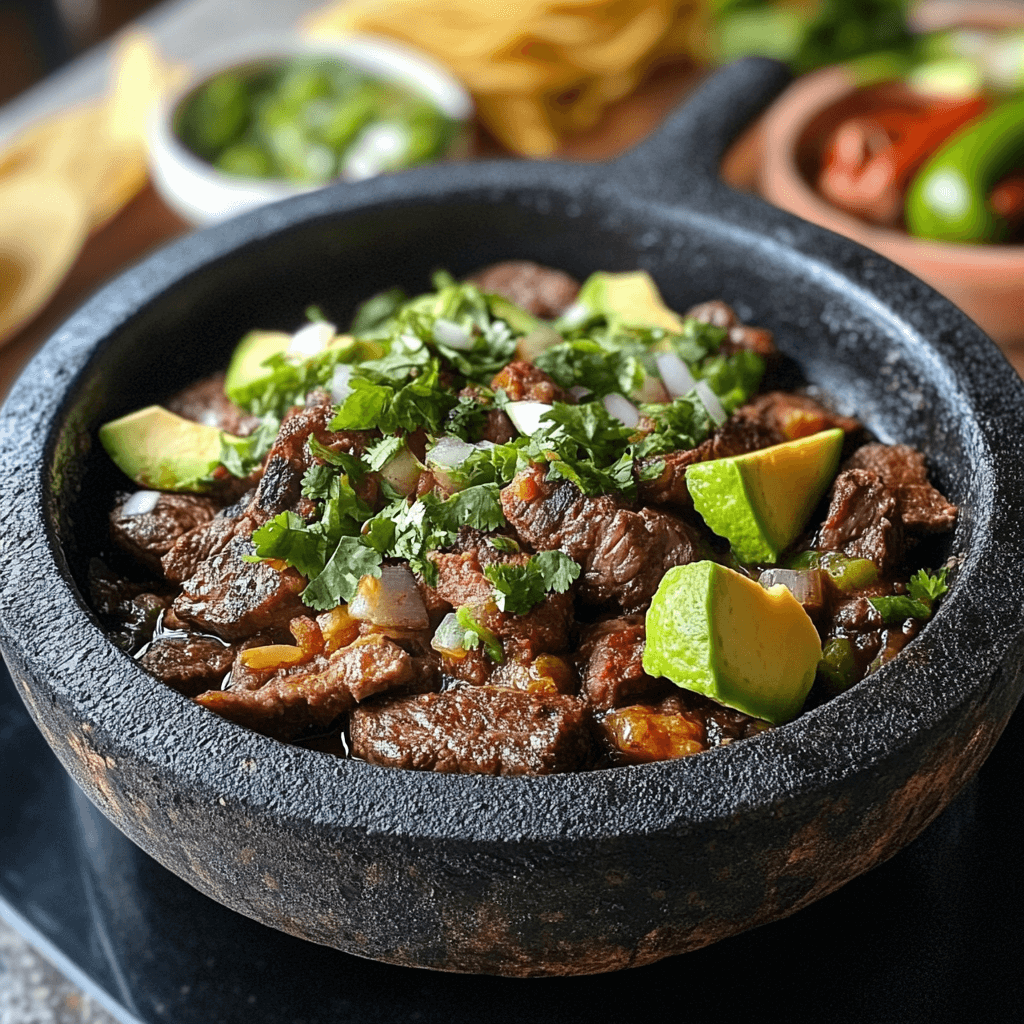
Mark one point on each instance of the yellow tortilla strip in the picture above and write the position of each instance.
(42, 228)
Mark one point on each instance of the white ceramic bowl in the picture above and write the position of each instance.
(202, 194)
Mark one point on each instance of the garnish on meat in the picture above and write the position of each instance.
(434, 541)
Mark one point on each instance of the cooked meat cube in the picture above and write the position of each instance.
(498, 428)
(233, 598)
(129, 609)
(205, 402)
(923, 509)
(479, 730)
(717, 313)
(624, 554)
(863, 519)
(880, 497)
(524, 381)
(611, 664)
(739, 434)
(790, 416)
(191, 549)
(148, 536)
(307, 700)
(189, 664)
(539, 290)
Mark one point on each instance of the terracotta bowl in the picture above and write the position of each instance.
(985, 281)
(565, 874)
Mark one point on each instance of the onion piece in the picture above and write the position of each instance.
(675, 373)
(711, 402)
(392, 601)
(579, 392)
(622, 409)
(804, 584)
(540, 339)
(341, 387)
(574, 315)
(312, 339)
(449, 452)
(140, 503)
(450, 636)
(526, 415)
(447, 332)
(402, 471)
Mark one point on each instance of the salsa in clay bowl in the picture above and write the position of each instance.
(462, 632)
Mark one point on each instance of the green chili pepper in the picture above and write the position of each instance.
(948, 198)
(838, 666)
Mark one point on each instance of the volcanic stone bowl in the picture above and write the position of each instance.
(566, 874)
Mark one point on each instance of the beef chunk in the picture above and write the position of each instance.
(205, 402)
(307, 699)
(233, 598)
(148, 536)
(191, 549)
(189, 664)
(611, 666)
(739, 434)
(880, 502)
(624, 554)
(923, 509)
(524, 381)
(539, 290)
(790, 416)
(718, 314)
(479, 730)
(863, 520)
(129, 610)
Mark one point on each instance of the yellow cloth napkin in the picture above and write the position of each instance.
(70, 173)
(539, 70)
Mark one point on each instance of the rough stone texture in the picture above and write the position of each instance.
(565, 874)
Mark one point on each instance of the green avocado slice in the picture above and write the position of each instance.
(761, 501)
(631, 299)
(162, 451)
(716, 632)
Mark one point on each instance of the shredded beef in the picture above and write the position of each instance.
(478, 730)
(539, 290)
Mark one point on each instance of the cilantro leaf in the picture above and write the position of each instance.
(602, 367)
(478, 507)
(383, 451)
(241, 455)
(339, 580)
(518, 588)
(927, 587)
(678, 426)
(895, 610)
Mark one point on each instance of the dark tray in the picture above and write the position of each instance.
(933, 935)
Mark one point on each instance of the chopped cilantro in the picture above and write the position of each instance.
(600, 366)
(924, 588)
(678, 425)
(240, 456)
(506, 545)
(337, 584)
(381, 452)
(419, 403)
(376, 310)
(517, 588)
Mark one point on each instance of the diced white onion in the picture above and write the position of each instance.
(140, 503)
(714, 407)
(341, 387)
(402, 471)
(311, 340)
(450, 635)
(622, 409)
(447, 332)
(392, 601)
(803, 584)
(525, 416)
(676, 374)
(449, 452)
(579, 392)
(574, 315)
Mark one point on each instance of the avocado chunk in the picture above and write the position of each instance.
(761, 501)
(246, 371)
(631, 300)
(162, 451)
(714, 631)
(515, 316)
